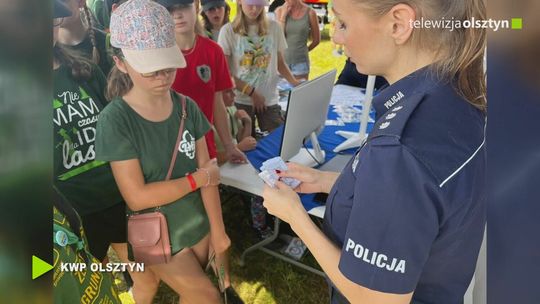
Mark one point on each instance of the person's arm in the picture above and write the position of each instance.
(244, 129)
(315, 33)
(212, 204)
(222, 128)
(257, 100)
(400, 225)
(281, 16)
(284, 203)
(328, 255)
(284, 70)
(140, 195)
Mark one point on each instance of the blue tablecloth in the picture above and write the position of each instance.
(268, 147)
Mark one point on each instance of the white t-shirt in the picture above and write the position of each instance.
(254, 59)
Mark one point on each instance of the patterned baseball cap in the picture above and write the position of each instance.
(144, 30)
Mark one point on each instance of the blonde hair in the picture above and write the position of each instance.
(459, 53)
(118, 83)
(240, 25)
(199, 29)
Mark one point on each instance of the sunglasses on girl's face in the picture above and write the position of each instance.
(165, 72)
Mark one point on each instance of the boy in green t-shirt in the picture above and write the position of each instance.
(240, 126)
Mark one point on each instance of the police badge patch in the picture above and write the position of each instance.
(204, 73)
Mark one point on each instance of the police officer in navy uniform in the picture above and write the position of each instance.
(405, 218)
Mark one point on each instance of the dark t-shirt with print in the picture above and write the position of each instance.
(123, 134)
(85, 181)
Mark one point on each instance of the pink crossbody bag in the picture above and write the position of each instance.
(148, 233)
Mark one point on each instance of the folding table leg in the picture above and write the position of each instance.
(260, 245)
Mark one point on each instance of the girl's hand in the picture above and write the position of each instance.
(212, 168)
(258, 102)
(311, 179)
(235, 155)
(283, 202)
(286, 9)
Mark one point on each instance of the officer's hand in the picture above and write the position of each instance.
(310, 178)
(283, 202)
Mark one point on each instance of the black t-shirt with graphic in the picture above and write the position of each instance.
(85, 181)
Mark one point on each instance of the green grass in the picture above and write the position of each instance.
(322, 58)
(265, 279)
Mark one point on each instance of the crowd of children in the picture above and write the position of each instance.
(136, 98)
(126, 75)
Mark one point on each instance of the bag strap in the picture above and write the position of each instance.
(179, 137)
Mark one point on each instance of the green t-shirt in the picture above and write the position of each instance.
(84, 286)
(85, 181)
(123, 134)
(86, 48)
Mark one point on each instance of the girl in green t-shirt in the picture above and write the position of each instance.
(137, 134)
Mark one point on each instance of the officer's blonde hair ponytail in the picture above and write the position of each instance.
(460, 52)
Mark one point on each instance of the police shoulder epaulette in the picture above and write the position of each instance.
(393, 122)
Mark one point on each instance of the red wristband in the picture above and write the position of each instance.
(192, 182)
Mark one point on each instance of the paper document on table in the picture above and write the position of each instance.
(347, 95)
(350, 114)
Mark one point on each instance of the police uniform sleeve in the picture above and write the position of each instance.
(201, 124)
(393, 221)
(113, 140)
